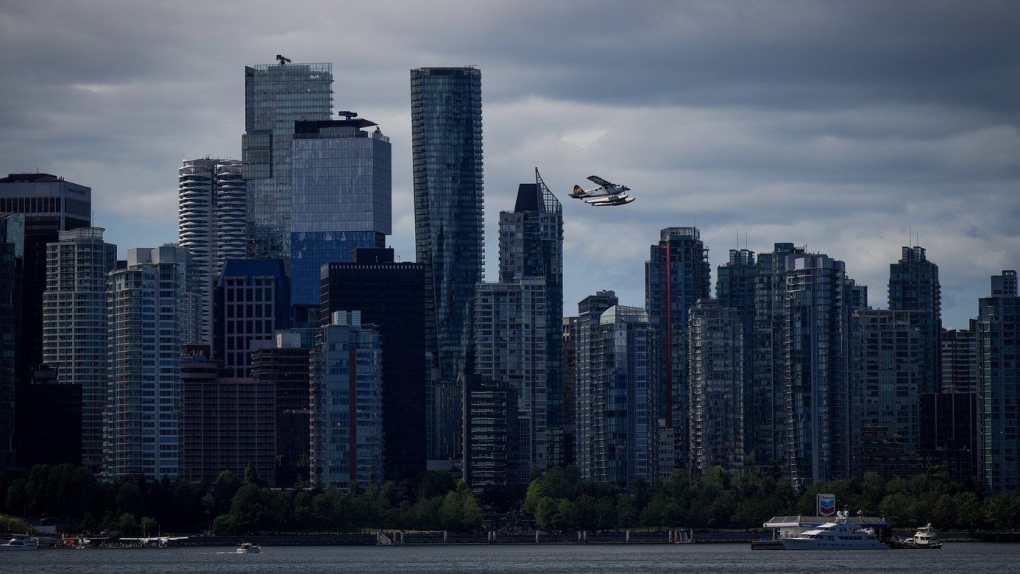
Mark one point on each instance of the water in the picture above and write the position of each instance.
(971, 558)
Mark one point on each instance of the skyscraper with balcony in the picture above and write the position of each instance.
(275, 97)
(446, 145)
(341, 198)
(677, 275)
(531, 245)
(211, 224)
(734, 288)
(586, 335)
(999, 386)
(75, 325)
(914, 286)
(149, 320)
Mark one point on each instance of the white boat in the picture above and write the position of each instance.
(838, 535)
(248, 548)
(16, 544)
(925, 537)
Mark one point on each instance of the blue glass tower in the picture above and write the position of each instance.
(446, 140)
(341, 198)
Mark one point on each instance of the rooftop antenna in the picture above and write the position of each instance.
(282, 60)
(347, 115)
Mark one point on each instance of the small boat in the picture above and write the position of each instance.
(17, 544)
(838, 535)
(925, 537)
(248, 548)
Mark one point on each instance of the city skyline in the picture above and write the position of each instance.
(845, 127)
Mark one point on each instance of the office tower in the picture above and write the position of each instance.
(735, 288)
(914, 286)
(949, 430)
(623, 435)
(999, 385)
(284, 365)
(75, 325)
(47, 414)
(959, 360)
(677, 275)
(347, 404)
(392, 297)
(341, 198)
(586, 341)
(820, 425)
(766, 416)
(252, 303)
(717, 387)
(50, 205)
(210, 224)
(531, 245)
(275, 97)
(12, 258)
(148, 324)
(226, 422)
(492, 457)
(888, 371)
(446, 145)
(511, 346)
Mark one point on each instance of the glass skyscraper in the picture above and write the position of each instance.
(446, 141)
(276, 96)
(341, 198)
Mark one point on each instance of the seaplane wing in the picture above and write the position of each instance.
(599, 181)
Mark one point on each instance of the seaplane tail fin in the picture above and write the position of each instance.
(578, 191)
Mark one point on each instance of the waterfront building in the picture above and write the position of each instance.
(252, 303)
(347, 404)
(211, 224)
(283, 364)
(446, 146)
(531, 245)
(914, 286)
(717, 387)
(949, 430)
(226, 422)
(999, 386)
(50, 205)
(391, 296)
(75, 325)
(275, 97)
(492, 458)
(820, 423)
(341, 198)
(735, 288)
(12, 259)
(47, 414)
(149, 321)
(586, 345)
(959, 360)
(623, 437)
(677, 275)
(511, 347)
(766, 417)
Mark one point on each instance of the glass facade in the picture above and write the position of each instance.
(275, 97)
(341, 198)
(446, 141)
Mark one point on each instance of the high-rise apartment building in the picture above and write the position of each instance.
(999, 386)
(12, 259)
(959, 360)
(531, 245)
(820, 421)
(677, 275)
(211, 224)
(50, 205)
(391, 296)
(765, 417)
(284, 365)
(735, 288)
(511, 346)
(914, 286)
(75, 325)
(149, 322)
(586, 339)
(446, 145)
(347, 404)
(492, 457)
(275, 97)
(716, 363)
(341, 198)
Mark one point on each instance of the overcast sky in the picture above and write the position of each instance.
(853, 128)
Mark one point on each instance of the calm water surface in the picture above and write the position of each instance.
(970, 558)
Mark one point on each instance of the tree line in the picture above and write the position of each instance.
(557, 500)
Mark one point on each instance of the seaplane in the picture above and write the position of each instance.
(606, 194)
(157, 541)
